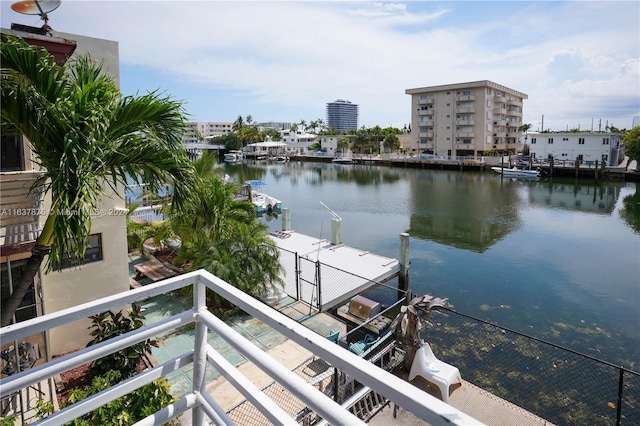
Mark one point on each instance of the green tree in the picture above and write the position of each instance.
(273, 134)
(632, 141)
(85, 135)
(238, 124)
(391, 142)
(221, 234)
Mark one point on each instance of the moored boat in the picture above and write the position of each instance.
(262, 201)
(516, 172)
(233, 156)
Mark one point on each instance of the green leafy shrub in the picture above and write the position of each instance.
(125, 410)
(108, 325)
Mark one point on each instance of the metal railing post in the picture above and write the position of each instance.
(620, 386)
(199, 351)
(319, 281)
(297, 268)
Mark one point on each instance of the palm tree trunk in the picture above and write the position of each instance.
(41, 249)
(12, 303)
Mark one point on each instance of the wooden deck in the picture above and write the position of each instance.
(154, 270)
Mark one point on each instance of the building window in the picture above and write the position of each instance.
(11, 152)
(580, 141)
(565, 139)
(489, 103)
(550, 141)
(533, 141)
(91, 255)
(605, 141)
(10, 278)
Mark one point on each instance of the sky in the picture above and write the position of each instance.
(578, 62)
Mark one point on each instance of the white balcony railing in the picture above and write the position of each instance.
(202, 356)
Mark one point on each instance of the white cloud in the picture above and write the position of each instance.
(576, 61)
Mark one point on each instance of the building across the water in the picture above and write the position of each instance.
(466, 119)
(197, 131)
(585, 146)
(342, 115)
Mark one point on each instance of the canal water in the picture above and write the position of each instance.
(557, 259)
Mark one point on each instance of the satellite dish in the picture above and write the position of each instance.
(36, 7)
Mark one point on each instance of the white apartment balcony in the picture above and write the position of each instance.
(466, 98)
(196, 401)
(500, 122)
(466, 122)
(428, 123)
(425, 111)
(20, 211)
(465, 134)
(428, 101)
(425, 134)
(514, 112)
(466, 146)
(514, 102)
(465, 110)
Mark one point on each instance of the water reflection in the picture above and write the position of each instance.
(557, 259)
(630, 211)
(464, 210)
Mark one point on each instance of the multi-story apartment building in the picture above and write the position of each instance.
(197, 131)
(466, 119)
(24, 212)
(277, 125)
(342, 115)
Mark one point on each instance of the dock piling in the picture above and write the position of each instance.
(403, 276)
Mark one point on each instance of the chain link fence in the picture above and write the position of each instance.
(320, 285)
(555, 383)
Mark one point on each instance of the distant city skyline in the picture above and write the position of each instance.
(578, 62)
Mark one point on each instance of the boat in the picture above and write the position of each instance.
(233, 156)
(343, 157)
(516, 172)
(281, 159)
(263, 202)
(342, 160)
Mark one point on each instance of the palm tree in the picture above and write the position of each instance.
(238, 124)
(410, 322)
(85, 135)
(221, 234)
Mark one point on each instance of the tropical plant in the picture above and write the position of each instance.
(632, 141)
(85, 136)
(220, 233)
(273, 134)
(238, 124)
(126, 410)
(391, 142)
(411, 320)
(107, 325)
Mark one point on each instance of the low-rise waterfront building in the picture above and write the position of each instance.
(466, 119)
(586, 146)
(197, 131)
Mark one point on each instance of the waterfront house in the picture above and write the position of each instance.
(587, 147)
